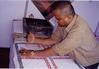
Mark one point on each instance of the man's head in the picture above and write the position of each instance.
(63, 11)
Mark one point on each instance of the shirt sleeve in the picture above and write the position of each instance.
(72, 41)
(56, 36)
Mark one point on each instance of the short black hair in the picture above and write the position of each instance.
(61, 4)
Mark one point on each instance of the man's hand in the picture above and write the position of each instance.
(30, 38)
(26, 53)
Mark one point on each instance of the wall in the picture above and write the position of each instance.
(14, 9)
(9, 9)
(32, 9)
(89, 10)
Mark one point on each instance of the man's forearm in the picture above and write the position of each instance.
(45, 41)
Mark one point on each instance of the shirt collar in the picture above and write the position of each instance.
(71, 24)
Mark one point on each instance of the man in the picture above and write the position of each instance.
(73, 37)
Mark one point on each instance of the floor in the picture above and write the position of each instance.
(4, 57)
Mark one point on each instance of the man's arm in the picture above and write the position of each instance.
(32, 39)
(45, 53)
(48, 41)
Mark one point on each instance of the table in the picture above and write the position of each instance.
(52, 62)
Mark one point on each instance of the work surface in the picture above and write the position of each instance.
(52, 62)
(55, 62)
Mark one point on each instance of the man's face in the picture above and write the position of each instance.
(60, 17)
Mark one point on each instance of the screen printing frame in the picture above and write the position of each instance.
(46, 59)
